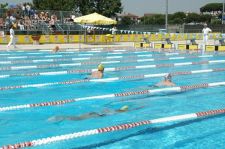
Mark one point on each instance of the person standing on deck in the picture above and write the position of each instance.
(205, 32)
(12, 37)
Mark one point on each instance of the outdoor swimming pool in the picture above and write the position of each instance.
(37, 86)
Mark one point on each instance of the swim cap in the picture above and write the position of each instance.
(124, 108)
(168, 77)
(100, 67)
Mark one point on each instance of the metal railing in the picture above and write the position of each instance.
(65, 25)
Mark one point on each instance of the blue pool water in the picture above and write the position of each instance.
(34, 123)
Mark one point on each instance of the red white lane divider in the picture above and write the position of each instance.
(69, 58)
(59, 59)
(114, 69)
(142, 76)
(119, 127)
(92, 63)
(124, 94)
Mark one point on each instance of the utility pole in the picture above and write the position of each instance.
(223, 22)
(166, 24)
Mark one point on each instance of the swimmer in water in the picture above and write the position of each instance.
(99, 73)
(56, 49)
(166, 82)
(92, 114)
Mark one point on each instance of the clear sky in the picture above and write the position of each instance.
(140, 7)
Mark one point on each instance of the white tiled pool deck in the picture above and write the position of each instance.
(82, 45)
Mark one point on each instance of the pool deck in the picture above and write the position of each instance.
(66, 46)
(80, 45)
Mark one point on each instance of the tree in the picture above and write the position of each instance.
(84, 6)
(215, 21)
(3, 6)
(126, 21)
(192, 18)
(159, 19)
(212, 7)
(205, 18)
(156, 19)
(64, 5)
(177, 18)
(107, 8)
(176, 21)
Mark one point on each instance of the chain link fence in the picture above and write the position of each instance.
(65, 25)
(220, 28)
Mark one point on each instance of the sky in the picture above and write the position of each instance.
(139, 7)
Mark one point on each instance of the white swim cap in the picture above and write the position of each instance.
(168, 77)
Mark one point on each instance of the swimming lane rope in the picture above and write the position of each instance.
(132, 59)
(124, 94)
(113, 69)
(141, 76)
(58, 58)
(119, 127)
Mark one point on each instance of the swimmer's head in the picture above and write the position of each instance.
(124, 108)
(100, 67)
(56, 49)
(168, 77)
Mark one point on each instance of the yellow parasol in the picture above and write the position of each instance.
(95, 19)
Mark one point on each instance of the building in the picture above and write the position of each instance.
(133, 17)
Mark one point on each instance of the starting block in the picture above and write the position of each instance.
(142, 45)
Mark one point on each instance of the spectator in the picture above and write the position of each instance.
(114, 30)
(7, 22)
(35, 20)
(23, 10)
(27, 23)
(72, 17)
(21, 25)
(1, 23)
(42, 16)
(2, 34)
(52, 23)
(89, 30)
(46, 17)
(32, 12)
(36, 16)
(28, 10)
(12, 19)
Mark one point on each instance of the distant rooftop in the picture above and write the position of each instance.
(128, 15)
(150, 14)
